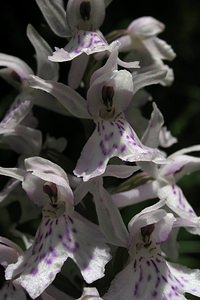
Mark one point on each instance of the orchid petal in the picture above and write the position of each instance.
(13, 172)
(165, 138)
(7, 189)
(108, 68)
(54, 14)
(187, 150)
(152, 279)
(66, 96)
(120, 171)
(154, 74)
(108, 140)
(146, 27)
(15, 115)
(151, 135)
(81, 191)
(16, 64)
(159, 49)
(176, 201)
(109, 217)
(181, 165)
(50, 172)
(24, 140)
(83, 42)
(77, 70)
(189, 278)
(139, 194)
(45, 68)
(93, 254)
(162, 221)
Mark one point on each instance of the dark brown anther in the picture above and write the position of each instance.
(85, 10)
(50, 189)
(146, 232)
(107, 96)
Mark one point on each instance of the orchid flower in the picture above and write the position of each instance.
(62, 233)
(111, 90)
(16, 72)
(83, 19)
(163, 178)
(148, 275)
(141, 42)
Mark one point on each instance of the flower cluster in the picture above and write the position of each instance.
(73, 251)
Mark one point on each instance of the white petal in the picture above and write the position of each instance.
(189, 278)
(77, 70)
(93, 254)
(159, 49)
(16, 64)
(109, 217)
(120, 171)
(45, 68)
(108, 140)
(176, 201)
(54, 13)
(66, 96)
(146, 27)
(151, 135)
(18, 111)
(141, 193)
(83, 42)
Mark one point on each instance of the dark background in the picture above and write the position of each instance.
(179, 103)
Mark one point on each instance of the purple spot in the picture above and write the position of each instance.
(108, 136)
(100, 163)
(115, 146)
(48, 261)
(34, 271)
(123, 148)
(154, 294)
(149, 277)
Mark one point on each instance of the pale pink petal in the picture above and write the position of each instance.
(141, 193)
(57, 239)
(83, 42)
(16, 64)
(45, 68)
(109, 216)
(189, 278)
(146, 27)
(65, 95)
(159, 49)
(55, 15)
(176, 201)
(77, 70)
(108, 140)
